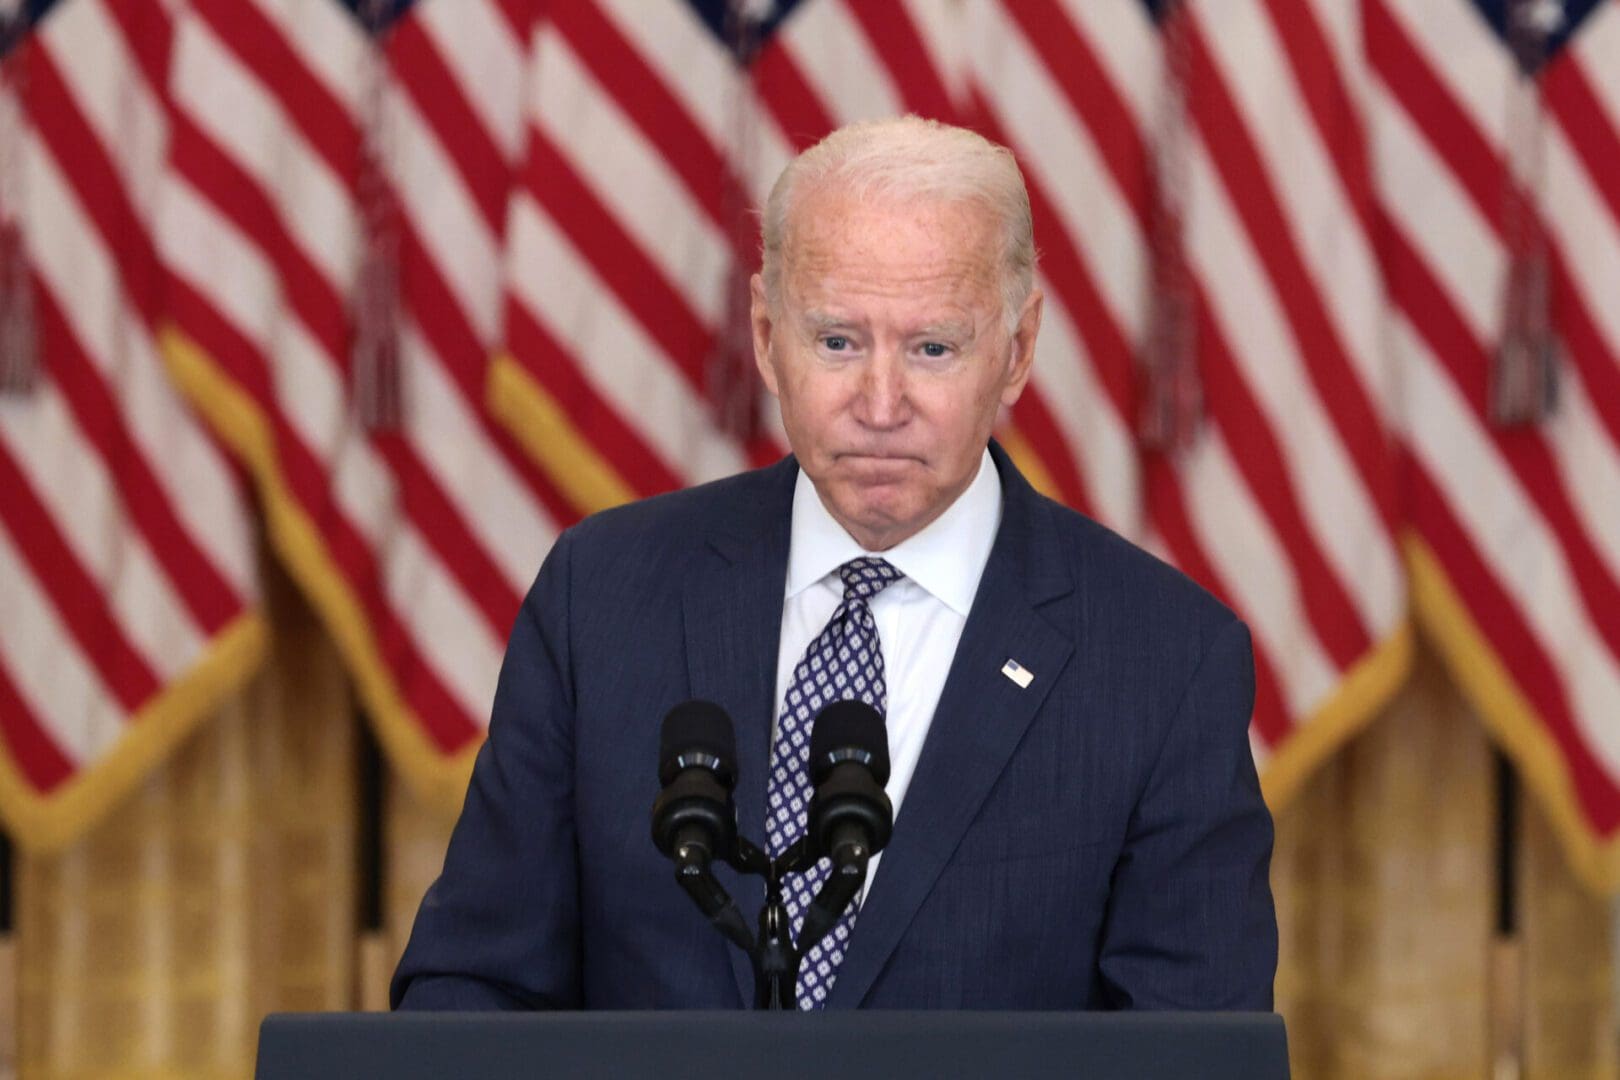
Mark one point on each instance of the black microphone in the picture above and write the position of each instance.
(851, 817)
(693, 817)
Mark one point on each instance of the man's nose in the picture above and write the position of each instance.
(882, 402)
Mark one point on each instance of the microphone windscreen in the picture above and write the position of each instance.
(851, 726)
(697, 727)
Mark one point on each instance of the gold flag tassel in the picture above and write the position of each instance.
(1523, 387)
(19, 337)
(731, 383)
(376, 374)
(1170, 407)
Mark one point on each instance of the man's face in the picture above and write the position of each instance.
(889, 355)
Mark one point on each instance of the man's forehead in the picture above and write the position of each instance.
(923, 238)
(833, 205)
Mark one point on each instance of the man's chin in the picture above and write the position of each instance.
(877, 517)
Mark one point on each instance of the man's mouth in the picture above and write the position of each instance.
(862, 455)
(877, 468)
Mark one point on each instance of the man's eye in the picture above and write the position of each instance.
(936, 350)
(835, 342)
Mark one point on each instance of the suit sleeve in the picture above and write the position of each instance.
(500, 928)
(1190, 922)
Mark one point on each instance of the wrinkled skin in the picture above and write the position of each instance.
(889, 354)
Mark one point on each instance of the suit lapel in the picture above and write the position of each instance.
(732, 609)
(981, 717)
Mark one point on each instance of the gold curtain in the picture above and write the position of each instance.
(1385, 879)
(1391, 967)
(223, 890)
(227, 889)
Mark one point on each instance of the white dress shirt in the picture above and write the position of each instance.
(919, 618)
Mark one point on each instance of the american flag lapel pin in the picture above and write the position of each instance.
(1018, 673)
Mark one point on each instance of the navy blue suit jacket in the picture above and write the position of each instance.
(1093, 840)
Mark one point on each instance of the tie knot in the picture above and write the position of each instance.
(867, 576)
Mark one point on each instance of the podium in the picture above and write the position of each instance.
(826, 1046)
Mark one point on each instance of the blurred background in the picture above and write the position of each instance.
(320, 320)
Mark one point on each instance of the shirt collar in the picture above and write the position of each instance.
(946, 559)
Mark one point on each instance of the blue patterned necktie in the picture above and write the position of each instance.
(843, 663)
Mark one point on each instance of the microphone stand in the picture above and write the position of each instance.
(776, 957)
(694, 874)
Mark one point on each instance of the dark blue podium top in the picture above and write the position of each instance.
(826, 1046)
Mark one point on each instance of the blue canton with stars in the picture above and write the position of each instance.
(743, 38)
(843, 663)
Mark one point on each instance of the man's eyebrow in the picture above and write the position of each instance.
(947, 328)
(825, 320)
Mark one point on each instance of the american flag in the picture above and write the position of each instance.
(127, 556)
(1496, 135)
(445, 276)
(340, 178)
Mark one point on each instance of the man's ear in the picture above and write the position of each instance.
(759, 314)
(1022, 347)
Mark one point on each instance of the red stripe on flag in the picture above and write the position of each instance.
(1430, 311)
(1404, 70)
(642, 289)
(1168, 511)
(1480, 172)
(306, 480)
(209, 598)
(1253, 195)
(1062, 266)
(423, 74)
(895, 38)
(78, 598)
(657, 113)
(1588, 125)
(1260, 458)
(1072, 63)
(1498, 618)
(465, 361)
(102, 196)
(1336, 116)
(43, 763)
(1594, 361)
(230, 352)
(550, 364)
(148, 34)
(258, 45)
(237, 197)
(1034, 421)
(521, 15)
(788, 96)
(438, 521)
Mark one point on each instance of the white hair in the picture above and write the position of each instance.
(910, 157)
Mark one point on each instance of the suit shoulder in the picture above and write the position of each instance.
(675, 522)
(1122, 576)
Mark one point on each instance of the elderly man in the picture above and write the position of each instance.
(1078, 823)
